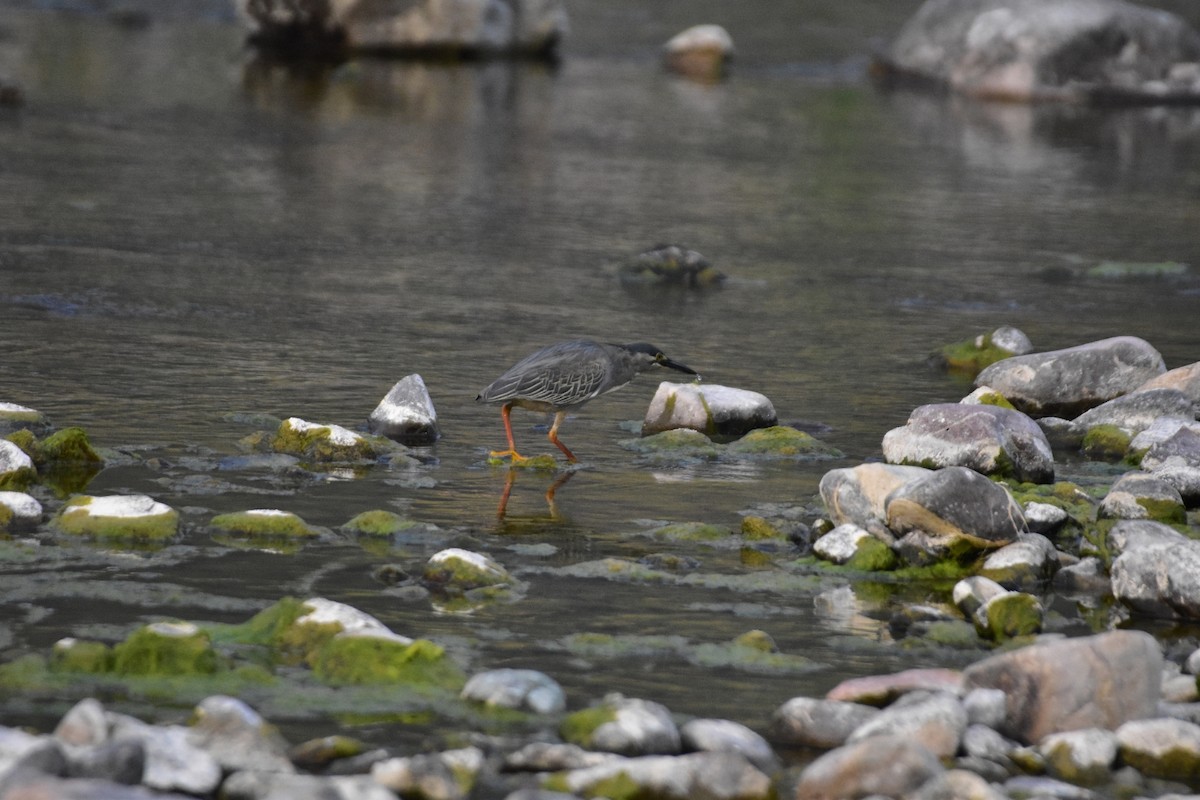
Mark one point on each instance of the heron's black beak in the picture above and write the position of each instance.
(675, 365)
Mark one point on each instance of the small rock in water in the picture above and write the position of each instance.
(406, 414)
(709, 408)
(671, 265)
(118, 517)
(701, 52)
(516, 688)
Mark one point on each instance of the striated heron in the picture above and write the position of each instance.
(566, 375)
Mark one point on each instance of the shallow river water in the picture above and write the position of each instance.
(190, 238)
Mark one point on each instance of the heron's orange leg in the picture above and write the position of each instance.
(511, 452)
(558, 418)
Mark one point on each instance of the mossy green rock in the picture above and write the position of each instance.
(14, 416)
(367, 659)
(578, 728)
(972, 355)
(68, 444)
(166, 648)
(264, 523)
(377, 523)
(322, 443)
(133, 517)
(759, 529)
(462, 570)
(780, 441)
(1010, 615)
(1105, 443)
(74, 655)
(691, 532)
(872, 555)
(678, 444)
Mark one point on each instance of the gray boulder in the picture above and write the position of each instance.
(1184, 379)
(1028, 563)
(813, 722)
(1161, 748)
(1036, 50)
(1080, 757)
(409, 27)
(988, 439)
(712, 409)
(406, 413)
(516, 688)
(1142, 495)
(238, 737)
(1157, 571)
(1112, 678)
(936, 720)
(857, 495)
(973, 593)
(723, 735)
(891, 766)
(1070, 381)
(1135, 412)
(721, 775)
(1176, 460)
(1045, 518)
(957, 509)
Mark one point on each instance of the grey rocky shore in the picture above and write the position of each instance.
(971, 494)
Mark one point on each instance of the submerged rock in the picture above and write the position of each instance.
(783, 442)
(972, 355)
(165, 649)
(701, 52)
(411, 27)
(989, 439)
(321, 443)
(263, 523)
(406, 413)
(671, 265)
(1070, 381)
(118, 517)
(709, 408)
(461, 570)
(1036, 50)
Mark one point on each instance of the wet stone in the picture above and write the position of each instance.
(880, 690)
(1069, 381)
(1134, 413)
(628, 726)
(435, 776)
(700, 52)
(722, 735)
(1009, 615)
(711, 409)
(853, 770)
(406, 413)
(936, 720)
(957, 507)
(1045, 518)
(1162, 748)
(1027, 563)
(516, 688)
(671, 265)
(118, 517)
(1142, 495)
(813, 722)
(858, 495)
(988, 439)
(237, 737)
(720, 775)
(19, 511)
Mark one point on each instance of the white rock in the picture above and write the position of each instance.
(353, 621)
(122, 505)
(840, 544)
(337, 434)
(723, 735)
(708, 408)
(173, 763)
(25, 509)
(13, 458)
(406, 413)
(516, 688)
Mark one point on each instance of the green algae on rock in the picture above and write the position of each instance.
(166, 648)
(1106, 443)
(264, 523)
(17, 470)
(328, 443)
(680, 445)
(1009, 615)
(77, 655)
(455, 569)
(781, 441)
(366, 658)
(377, 523)
(14, 416)
(133, 517)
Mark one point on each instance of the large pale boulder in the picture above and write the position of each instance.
(1135, 412)
(1156, 570)
(1185, 379)
(1176, 459)
(1036, 50)
(1092, 682)
(857, 495)
(988, 439)
(1070, 381)
(891, 766)
(406, 413)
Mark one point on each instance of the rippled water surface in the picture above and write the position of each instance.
(186, 233)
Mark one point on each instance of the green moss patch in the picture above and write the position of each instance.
(1011, 615)
(759, 529)
(166, 649)
(970, 356)
(135, 517)
(356, 660)
(1105, 443)
(872, 555)
(579, 727)
(264, 523)
(327, 443)
(780, 441)
(377, 523)
(74, 655)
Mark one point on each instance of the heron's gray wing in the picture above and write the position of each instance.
(568, 373)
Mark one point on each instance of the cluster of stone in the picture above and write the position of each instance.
(969, 487)
(1047, 720)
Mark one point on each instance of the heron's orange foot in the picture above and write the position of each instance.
(513, 456)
